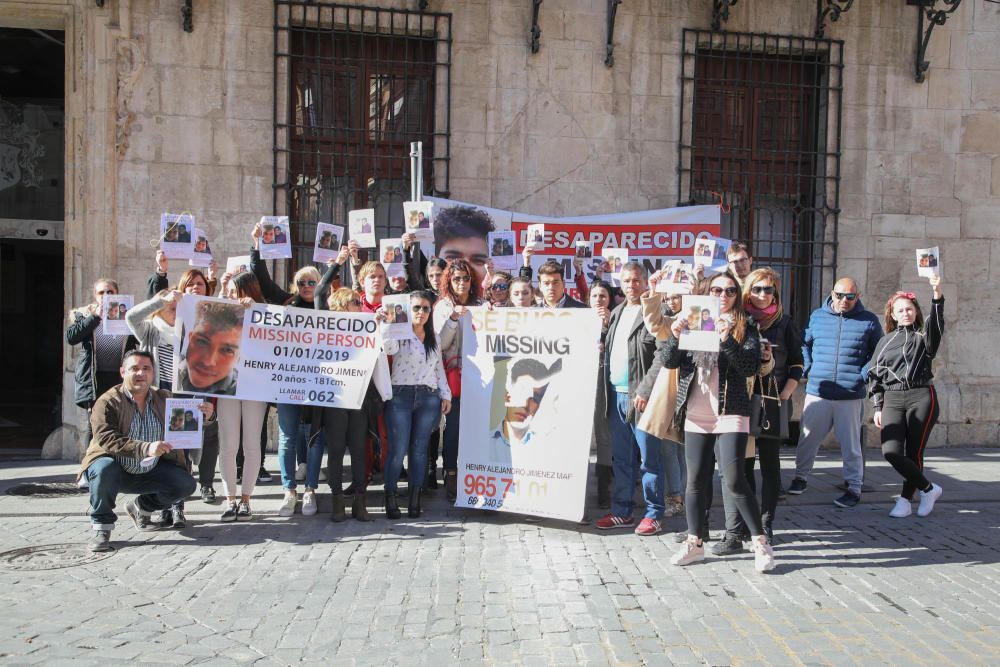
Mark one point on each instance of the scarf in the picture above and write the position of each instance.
(766, 317)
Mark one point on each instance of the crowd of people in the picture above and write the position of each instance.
(665, 417)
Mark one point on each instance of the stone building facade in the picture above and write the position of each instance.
(159, 119)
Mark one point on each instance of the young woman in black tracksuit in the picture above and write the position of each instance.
(899, 383)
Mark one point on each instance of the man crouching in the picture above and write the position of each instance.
(127, 453)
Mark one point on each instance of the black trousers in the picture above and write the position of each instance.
(908, 416)
(345, 430)
(701, 451)
(769, 452)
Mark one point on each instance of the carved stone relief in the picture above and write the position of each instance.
(130, 61)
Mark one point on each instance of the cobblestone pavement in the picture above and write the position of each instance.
(465, 587)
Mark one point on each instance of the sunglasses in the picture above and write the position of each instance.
(500, 286)
(421, 309)
(850, 296)
(728, 291)
(762, 289)
(306, 283)
(461, 279)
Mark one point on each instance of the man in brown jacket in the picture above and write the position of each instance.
(127, 453)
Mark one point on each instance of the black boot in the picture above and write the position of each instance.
(604, 475)
(431, 481)
(413, 511)
(391, 508)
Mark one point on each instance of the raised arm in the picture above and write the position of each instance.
(934, 325)
(271, 291)
(82, 324)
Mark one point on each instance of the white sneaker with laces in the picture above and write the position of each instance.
(763, 555)
(690, 552)
(300, 473)
(288, 504)
(309, 503)
(902, 509)
(927, 500)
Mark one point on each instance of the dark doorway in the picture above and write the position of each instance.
(31, 235)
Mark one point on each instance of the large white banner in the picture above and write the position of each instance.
(274, 353)
(650, 237)
(529, 383)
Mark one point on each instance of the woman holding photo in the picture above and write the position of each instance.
(193, 281)
(713, 400)
(500, 289)
(420, 395)
(906, 405)
(458, 293)
(240, 417)
(347, 430)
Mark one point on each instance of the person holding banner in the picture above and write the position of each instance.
(500, 289)
(600, 301)
(100, 354)
(553, 288)
(458, 293)
(420, 395)
(630, 368)
(905, 402)
(347, 430)
(714, 400)
(238, 417)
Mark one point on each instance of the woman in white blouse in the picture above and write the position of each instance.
(420, 395)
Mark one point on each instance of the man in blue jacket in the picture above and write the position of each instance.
(837, 345)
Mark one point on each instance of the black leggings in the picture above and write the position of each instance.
(345, 430)
(768, 450)
(907, 419)
(700, 451)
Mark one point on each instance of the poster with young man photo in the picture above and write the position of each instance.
(201, 254)
(502, 250)
(210, 332)
(361, 226)
(177, 235)
(328, 242)
(275, 238)
(702, 316)
(418, 217)
(391, 256)
(184, 423)
(113, 310)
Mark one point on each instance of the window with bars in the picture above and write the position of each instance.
(760, 134)
(353, 87)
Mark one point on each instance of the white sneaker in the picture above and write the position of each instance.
(902, 509)
(688, 553)
(927, 500)
(309, 503)
(300, 473)
(763, 555)
(288, 504)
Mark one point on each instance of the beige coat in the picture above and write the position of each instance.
(658, 418)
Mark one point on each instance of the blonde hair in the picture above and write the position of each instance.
(367, 269)
(307, 273)
(341, 298)
(769, 274)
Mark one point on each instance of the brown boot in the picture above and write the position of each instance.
(451, 485)
(338, 513)
(359, 509)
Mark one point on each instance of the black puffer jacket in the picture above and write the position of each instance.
(80, 331)
(737, 362)
(272, 292)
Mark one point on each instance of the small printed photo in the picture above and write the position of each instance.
(928, 262)
(239, 264)
(502, 250)
(615, 259)
(704, 248)
(184, 423)
(177, 235)
(397, 312)
(361, 226)
(274, 237)
(535, 235)
(678, 278)
(702, 316)
(584, 249)
(418, 216)
(114, 307)
(328, 242)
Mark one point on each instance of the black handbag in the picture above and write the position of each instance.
(769, 415)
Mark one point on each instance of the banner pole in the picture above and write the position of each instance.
(416, 170)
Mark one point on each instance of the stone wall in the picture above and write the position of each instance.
(165, 120)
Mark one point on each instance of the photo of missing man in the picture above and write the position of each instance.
(268, 235)
(501, 247)
(177, 419)
(325, 241)
(584, 250)
(211, 349)
(462, 232)
(201, 246)
(703, 249)
(520, 385)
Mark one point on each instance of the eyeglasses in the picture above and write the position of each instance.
(762, 289)
(728, 291)
(850, 296)
(306, 283)
(500, 286)
(421, 309)
(461, 279)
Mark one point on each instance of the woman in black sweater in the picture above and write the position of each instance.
(899, 383)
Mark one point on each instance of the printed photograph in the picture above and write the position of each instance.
(520, 390)
(210, 349)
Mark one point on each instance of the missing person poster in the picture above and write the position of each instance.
(391, 254)
(177, 235)
(615, 260)
(274, 353)
(184, 425)
(419, 219)
(928, 262)
(535, 236)
(678, 278)
(328, 240)
(201, 254)
(397, 311)
(275, 238)
(702, 314)
(113, 309)
(239, 264)
(502, 250)
(527, 374)
(361, 225)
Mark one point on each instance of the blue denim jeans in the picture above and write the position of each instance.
(158, 489)
(293, 436)
(626, 440)
(674, 467)
(450, 453)
(410, 417)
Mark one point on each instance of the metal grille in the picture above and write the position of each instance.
(760, 134)
(353, 86)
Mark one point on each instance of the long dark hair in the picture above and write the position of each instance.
(246, 284)
(738, 313)
(430, 343)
